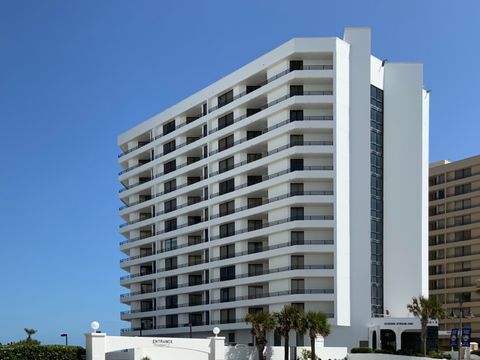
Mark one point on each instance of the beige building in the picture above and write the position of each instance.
(454, 242)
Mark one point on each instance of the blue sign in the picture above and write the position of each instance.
(466, 336)
(454, 337)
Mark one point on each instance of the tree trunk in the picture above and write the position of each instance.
(286, 346)
(260, 349)
(312, 349)
(423, 336)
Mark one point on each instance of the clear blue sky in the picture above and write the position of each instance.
(75, 74)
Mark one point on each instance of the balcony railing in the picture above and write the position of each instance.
(273, 294)
(275, 270)
(273, 223)
(273, 127)
(199, 116)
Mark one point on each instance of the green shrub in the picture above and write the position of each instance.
(360, 350)
(40, 352)
(475, 352)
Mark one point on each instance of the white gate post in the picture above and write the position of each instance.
(96, 346)
(217, 344)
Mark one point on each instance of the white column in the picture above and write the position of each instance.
(95, 343)
(217, 344)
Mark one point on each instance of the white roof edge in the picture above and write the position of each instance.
(280, 52)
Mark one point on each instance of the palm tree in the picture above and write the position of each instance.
(315, 323)
(288, 319)
(30, 332)
(425, 309)
(261, 323)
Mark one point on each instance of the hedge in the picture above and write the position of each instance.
(40, 352)
(361, 350)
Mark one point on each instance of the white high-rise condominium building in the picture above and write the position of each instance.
(300, 178)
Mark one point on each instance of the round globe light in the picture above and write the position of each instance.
(216, 330)
(95, 325)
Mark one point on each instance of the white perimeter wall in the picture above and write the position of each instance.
(405, 186)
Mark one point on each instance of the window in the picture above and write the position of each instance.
(192, 159)
(297, 261)
(227, 208)
(296, 90)
(194, 219)
(191, 139)
(193, 179)
(195, 319)
(225, 98)
(255, 269)
(463, 189)
(171, 321)
(227, 251)
(296, 140)
(463, 235)
(195, 299)
(194, 280)
(227, 316)
(296, 115)
(171, 302)
(170, 225)
(463, 173)
(193, 200)
(170, 244)
(227, 273)
(225, 143)
(253, 157)
(251, 134)
(297, 237)
(255, 247)
(231, 338)
(191, 119)
(171, 282)
(170, 205)
(254, 179)
(227, 230)
(463, 204)
(254, 225)
(227, 186)
(296, 65)
(255, 292)
(225, 165)
(225, 121)
(169, 127)
(171, 263)
(296, 189)
(170, 186)
(297, 213)
(298, 286)
(253, 202)
(227, 294)
(251, 88)
(251, 112)
(194, 239)
(296, 164)
(169, 166)
(168, 147)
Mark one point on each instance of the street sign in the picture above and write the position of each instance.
(466, 336)
(454, 337)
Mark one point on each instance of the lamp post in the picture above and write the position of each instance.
(190, 326)
(461, 299)
(66, 338)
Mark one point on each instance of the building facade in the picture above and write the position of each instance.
(282, 183)
(454, 242)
